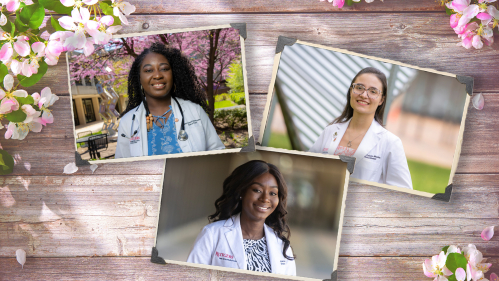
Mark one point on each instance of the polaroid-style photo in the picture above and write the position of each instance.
(271, 212)
(161, 94)
(403, 124)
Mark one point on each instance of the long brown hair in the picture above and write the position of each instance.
(380, 111)
(235, 186)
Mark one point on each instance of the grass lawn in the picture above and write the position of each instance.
(428, 178)
(279, 141)
(224, 103)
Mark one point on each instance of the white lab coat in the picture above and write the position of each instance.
(380, 156)
(202, 136)
(221, 244)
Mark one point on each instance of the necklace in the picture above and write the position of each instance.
(349, 144)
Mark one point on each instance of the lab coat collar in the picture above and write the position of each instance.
(275, 250)
(234, 237)
(370, 140)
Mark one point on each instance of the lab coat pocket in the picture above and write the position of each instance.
(368, 169)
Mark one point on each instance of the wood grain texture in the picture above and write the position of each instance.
(136, 268)
(63, 221)
(420, 39)
(275, 6)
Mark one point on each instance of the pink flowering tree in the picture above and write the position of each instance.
(27, 49)
(211, 53)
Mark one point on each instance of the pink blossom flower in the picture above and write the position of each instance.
(6, 52)
(47, 98)
(99, 30)
(55, 46)
(477, 265)
(9, 102)
(77, 23)
(122, 8)
(30, 112)
(436, 267)
(20, 130)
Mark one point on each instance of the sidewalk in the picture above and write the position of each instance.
(94, 127)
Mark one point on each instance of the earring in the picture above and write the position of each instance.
(240, 198)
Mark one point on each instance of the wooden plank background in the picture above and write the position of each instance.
(102, 226)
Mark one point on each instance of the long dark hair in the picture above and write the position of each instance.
(380, 111)
(186, 83)
(236, 185)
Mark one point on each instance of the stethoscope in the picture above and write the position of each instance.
(182, 134)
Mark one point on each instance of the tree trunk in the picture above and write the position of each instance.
(213, 34)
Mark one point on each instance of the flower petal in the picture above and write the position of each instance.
(93, 167)
(6, 52)
(70, 168)
(494, 277)
(8, 82)
(20, 93)
(21, 257)
(107, 20)
(68, 3)
(460, 274)
(488, 233)
(22, 47)
(3, 19)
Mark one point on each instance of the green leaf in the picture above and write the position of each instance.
(26, 100)
(449, 11)
(30, 81)
(349, 2)
(32, 15)
(455, 261)
(6, 163)
(106, 7)
(20, 26)
(452, 277)
(8, 26)
(445, 249)
(117, 21)
(16, 116)
(3, 71)
(56, 6)
(55, 24)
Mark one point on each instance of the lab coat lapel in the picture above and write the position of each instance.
(337, 134)
(368, 142)
(234, 237)
(274, 249)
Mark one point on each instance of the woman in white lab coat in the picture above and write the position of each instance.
(358, 132)
(166, 107)
(249, 229)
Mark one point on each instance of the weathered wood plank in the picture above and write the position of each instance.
(274, 6)
(94, 268)
(86, 215)
(55, 144)
(393, 36)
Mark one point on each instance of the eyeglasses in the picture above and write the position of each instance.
(372, 92)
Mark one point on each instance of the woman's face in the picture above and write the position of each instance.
(261, 198)
(363, 103)
(156, 76)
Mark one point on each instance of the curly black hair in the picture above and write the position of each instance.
(236, 185)
(186, 83)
